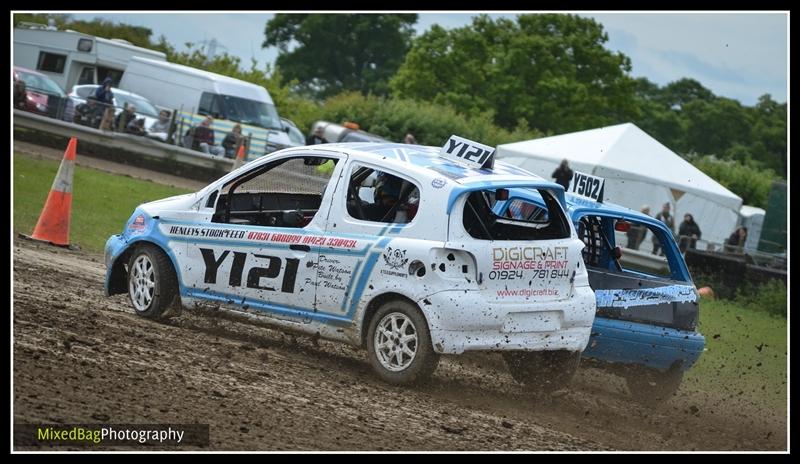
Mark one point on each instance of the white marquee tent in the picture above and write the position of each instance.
(638, 170)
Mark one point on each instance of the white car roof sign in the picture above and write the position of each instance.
(468, 153)
(587, 185)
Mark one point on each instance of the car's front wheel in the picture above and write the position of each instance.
(543, 371)
(152, 282)
(399, 344)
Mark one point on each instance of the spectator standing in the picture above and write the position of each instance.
(637, 232)
(689, 232)
(666, 217)
(736, 241)
(317, 137)
(232, 141)
(105, 97)
(410, 139)
(563, 174)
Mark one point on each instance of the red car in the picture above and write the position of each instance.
(41, 95)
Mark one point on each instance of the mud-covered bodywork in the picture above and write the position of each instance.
(646, 316)
(317, 238)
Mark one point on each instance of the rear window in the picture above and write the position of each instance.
(539, 217)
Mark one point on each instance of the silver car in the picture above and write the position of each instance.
(144, 109)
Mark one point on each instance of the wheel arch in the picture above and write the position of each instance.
(118, 276)
(377, 302)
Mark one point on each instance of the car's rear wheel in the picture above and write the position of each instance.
(651, 387)
(152, 283)
(543, 371)
(399, 344)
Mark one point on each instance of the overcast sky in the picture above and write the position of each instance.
(737, 55)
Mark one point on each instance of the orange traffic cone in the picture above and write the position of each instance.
(53, 224)
(239, 161)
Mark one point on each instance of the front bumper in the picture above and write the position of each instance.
(652, 346)
(463, 321)
(115, 245)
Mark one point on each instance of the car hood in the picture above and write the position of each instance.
(37, 97)
(174, 204)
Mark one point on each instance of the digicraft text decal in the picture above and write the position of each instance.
(548, 261)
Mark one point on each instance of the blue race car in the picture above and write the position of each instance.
(647, 305)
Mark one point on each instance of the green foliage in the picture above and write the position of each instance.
(540, 73)
(746, 180)
(770, 297)
(745, 357)
(330, 53)
(431, 123)
(551, 70)
(687, 117)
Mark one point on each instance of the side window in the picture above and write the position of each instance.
(608, 241)
(114, 74)
(210, 105)
(86, 77)
(51, 62)
(285, 193)
(378, 196)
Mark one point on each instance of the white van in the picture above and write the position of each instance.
(195, 93)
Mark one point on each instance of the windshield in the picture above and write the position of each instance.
(251, 112)
(34, 82)
(296, 136)
(142, 106)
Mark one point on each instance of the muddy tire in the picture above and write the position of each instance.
(652, 387)
(542, 371)
(152, 283)
(399, 344)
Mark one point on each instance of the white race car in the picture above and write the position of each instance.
(387, 246)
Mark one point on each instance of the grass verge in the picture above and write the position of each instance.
(101, 202)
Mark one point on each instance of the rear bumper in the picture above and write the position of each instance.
(463, 321)
(642, 344)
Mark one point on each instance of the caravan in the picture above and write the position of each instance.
(71, 58)
(195, 93)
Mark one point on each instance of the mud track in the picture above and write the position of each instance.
(80, 357)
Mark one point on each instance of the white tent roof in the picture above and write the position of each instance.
(625, 152)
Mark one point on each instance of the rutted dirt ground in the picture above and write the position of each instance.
(80, 357)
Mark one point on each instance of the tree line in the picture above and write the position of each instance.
(499, 81)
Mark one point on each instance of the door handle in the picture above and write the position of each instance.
(305, 248)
